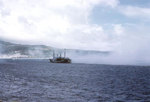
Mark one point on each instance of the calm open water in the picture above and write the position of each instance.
(41, 81)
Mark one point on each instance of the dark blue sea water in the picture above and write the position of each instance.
(41, 81)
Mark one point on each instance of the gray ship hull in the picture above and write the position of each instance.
(60, 60)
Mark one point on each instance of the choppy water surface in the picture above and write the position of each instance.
(41, 81)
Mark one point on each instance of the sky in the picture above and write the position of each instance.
(103, 25)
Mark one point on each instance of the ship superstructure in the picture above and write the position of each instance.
(59, 59)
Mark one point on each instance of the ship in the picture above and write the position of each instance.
(60, 59)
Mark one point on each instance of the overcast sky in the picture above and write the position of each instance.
(104, 25)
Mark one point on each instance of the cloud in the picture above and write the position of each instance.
(60, 23)
(135, 12)
(118, 29)
(67, 24)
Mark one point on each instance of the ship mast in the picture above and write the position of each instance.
(60, 55)
(53, 54)
(64, 53)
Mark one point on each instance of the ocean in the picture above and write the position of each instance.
(40, 81)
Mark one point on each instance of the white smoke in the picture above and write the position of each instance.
(67, 24)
